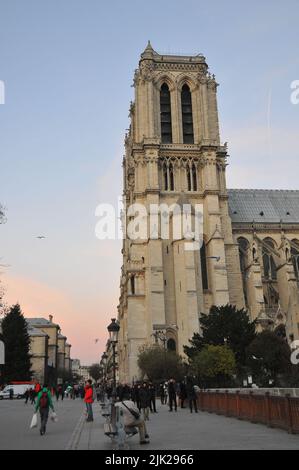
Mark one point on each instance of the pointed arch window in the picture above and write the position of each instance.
(187, 118)
(171, 344)
(243, 256)
(295, 257)
(171, 177)
(189, 180)
(194, 178)
(243, 247)
(165, 176)
(191, 173)
(132, 279)
(168, 176)
(165, 112)
(268, 261)
(204, 268)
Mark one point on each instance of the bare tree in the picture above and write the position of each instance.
(2, 221)
(2, 215)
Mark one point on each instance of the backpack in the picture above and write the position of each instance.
(44, 400)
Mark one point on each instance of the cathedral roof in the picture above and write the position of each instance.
(263, 205)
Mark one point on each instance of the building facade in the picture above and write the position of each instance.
(174, 158)
(50, 353)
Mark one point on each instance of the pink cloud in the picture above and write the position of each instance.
(81, 320)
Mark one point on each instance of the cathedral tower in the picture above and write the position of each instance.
(174, 156)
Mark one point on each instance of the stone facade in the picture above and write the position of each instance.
(50, 352)
(266, 228)
(173, 155)
(39, 353)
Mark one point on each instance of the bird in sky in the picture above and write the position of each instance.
(96, 340)
(41, 237)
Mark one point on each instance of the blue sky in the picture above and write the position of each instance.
(68, 67)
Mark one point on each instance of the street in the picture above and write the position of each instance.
(168, 431)
(15, 419)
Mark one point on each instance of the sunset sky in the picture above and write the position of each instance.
(68, 68)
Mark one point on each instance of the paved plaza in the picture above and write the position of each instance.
(168, 431)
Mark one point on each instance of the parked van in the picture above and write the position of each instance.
(18, 390)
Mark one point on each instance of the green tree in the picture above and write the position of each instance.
(214, 366)
(17, 346)
(159, 364)
(95, 372)
(268, 356)
(224, 325)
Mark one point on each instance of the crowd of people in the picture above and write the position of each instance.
(144, 395)
(141, 395)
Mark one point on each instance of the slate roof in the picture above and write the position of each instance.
(263, 205)
(40, 322)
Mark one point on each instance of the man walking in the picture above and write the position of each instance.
(172, 394)
(191, 395)
(43, 403)
(152, 392)
(144, 395)
(88, 400)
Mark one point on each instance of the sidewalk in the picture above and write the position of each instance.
(186, 431)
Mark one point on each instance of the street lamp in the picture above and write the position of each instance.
(113, 330)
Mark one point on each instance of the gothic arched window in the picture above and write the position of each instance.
(165, 112)
(171, 344)
(243, 247)
(132, 279)
(168, 176)
(165, 176)
(295, 257)
(189, 179)
(268, 260)
(194, 178)
(171, 177)
(204, 269)
(187, 119)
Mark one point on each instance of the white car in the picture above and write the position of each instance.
(18, 391)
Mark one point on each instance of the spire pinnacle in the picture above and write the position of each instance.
(148, 51)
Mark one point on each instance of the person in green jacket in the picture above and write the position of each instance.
(43, 404)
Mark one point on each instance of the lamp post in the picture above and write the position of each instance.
(104, 362)
(113, 330)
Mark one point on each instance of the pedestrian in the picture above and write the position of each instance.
(137, 396)
(172, 394)
(43, 404)
(191, 394)
(32, 396)
(165, 393)
(182, 394)
(88, 400)
(132, 419)
(162, 393)
(144, 397)
(127, 392)
(60, 392)
(27, 395)
(11, 393)
(152, 392)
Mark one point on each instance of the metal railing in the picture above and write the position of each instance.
(274, 411)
